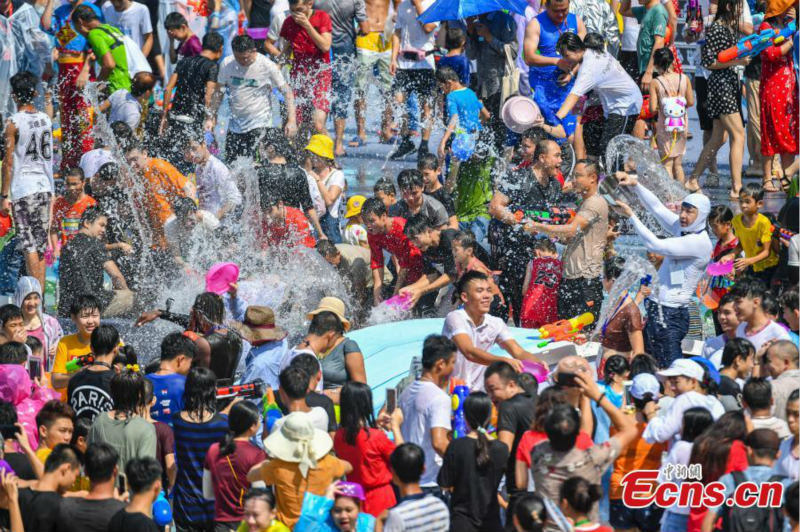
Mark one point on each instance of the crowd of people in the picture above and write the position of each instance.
(184, 161)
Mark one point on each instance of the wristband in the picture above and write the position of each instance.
(599, 399)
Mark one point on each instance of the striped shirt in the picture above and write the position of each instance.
(192, 441)
(418, 513)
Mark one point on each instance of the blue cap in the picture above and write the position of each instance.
(707, 364)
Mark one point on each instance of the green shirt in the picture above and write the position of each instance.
(104, 39)
(474, 188)
(653, 23)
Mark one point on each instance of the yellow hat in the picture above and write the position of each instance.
(354, 205)
(321, 145)
(331, 304)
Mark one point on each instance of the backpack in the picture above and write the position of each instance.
(137, 62)
(737, 519)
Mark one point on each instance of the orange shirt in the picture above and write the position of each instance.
(638, 455)
(293, 231)
(67, 217)
(163, 184)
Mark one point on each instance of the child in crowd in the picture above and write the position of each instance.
(385, 191)
(189, 44)
(85, 314)
(455, 41)
(578, 497)
(428, 166)
(169, 381)
(465, 251)
(671, 92)
(354, 232)
(720, 220)
(12, 326)
(754, 231)
(748, 294)
(757, 400)
(68, 209)
(735, 366)
(259, 512)
(55, 425)
(542, 278)
(464, 111)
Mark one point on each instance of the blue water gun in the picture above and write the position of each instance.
(460, 428)
(162, 511)
(756, 43)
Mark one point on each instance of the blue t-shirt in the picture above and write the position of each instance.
(168, 391)
(459, 63)
(67, 39)
(465, 104)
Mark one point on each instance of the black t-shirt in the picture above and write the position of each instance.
(445, 199)
(89, 392)
(190, 91)
(728, 386)
(316, 399)
(288, 181)
(259, 14)
(473, 503)
(515, 415)
(87, 515)
(442, 255)
(39, 510)
(124, 521)
(21, 465)
(81, 272)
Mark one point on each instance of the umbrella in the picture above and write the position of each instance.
(460, 9)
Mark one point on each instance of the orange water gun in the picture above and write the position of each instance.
(563, 330)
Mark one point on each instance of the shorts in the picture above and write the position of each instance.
(311, 92)
(645, 519)
(243, 144)
(706, 121)
(421, 81)
(344, 63)
(374, 55)
(32, 221)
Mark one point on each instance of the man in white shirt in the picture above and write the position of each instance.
(474, 332)
(249, 78)
(216, 188)
(728, 322)
(125, 106)
(755, 325)
(133, 19)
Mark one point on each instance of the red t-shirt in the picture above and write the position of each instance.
(306, 53)
(293, 231)
(229, 477)
(370, 460)
(67, 216)
(398, 244)
(540, 303)
(533, 438)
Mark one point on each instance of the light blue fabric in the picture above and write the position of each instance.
(234, 308)
(465, 104)
(315, 516)
(264, 362)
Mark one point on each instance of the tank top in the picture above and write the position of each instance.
(33, 155)
(548, 37)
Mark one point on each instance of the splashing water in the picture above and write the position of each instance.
(634, 155)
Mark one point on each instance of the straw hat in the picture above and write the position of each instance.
(354, 204)
(331, 304)
(259, 325)
(321, 145)
(297, 441)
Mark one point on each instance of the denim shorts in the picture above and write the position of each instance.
(645, 519)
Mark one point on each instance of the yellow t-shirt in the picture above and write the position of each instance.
(42, 453)
(81, 483)
(753, 239)
(69, 347)
(275, 526)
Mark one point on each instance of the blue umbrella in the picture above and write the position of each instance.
(460, 9)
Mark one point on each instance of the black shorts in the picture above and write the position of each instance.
(419, 80)
(645, 519)
(701, 86)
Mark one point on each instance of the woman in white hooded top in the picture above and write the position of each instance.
(686, 254)
(28, 297)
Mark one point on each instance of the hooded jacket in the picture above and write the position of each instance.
(50, 326)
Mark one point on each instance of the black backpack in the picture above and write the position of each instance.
(752, 519)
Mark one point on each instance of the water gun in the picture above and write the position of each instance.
(162, 511)
(460, 393)
(552, 216)
(563, 330)
(272, 412)
(78, 362)
(756, 43)
(250, 389)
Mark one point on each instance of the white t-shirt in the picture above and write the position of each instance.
(787, 464)
(278, 13)
(616, 89)
(250, 89)
(679, 454)
(483, 336)
(354, 234)
(412, 36)
(335, 179)
(33, 155)
(316, 197)
(296, 351)
(124, 108)
(630, 34)
(794, 251)
(317, 415)
(425, 406)
(93, 160)
(133, 22)
(216, 186)
(775, 424)
(772, 331)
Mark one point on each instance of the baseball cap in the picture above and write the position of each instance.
(683, 367)
(645, 383)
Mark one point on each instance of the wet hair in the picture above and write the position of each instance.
(375, 206)
(580, 494)
(542, 147)
(437, 347)
(356, 410)
(23, 87)
(613, 266)
(294, 382)
(142, 473)
(531, 513)
(528, 383)
(502, 369)
(242, 416)
(696, 420)
(213, 41)
(308, 363)
(752, 190)
(243, 43)
(127, 392)
(8, 413)
(34, 344)
(467, 278)
(594, 41)
(466, 239)
(455, 37)
(662, 60)
(736, 348)
(591, 166)
(569, 42)
(62, 454)
(9, 312)
(544, 244)
(84, 302)
(427, 161)
(478, 414)
(210, 306)
(80, 429)
(615, 365)
(141, 83)
(789, 298)
(126, 355)
(410, 178)
(408, 462)
(200, 392)
(91, 215)
(385, 186)
(175, 20)
(325, 322)
(108, 172)
(757, 393)
(764, 443)
(326, 248)
(83, 13)
(748, 288)
(416, 225)
(791, 501)
(562, 426)
(75, 171)
(794, 396)
(124, 135)
(446, 74)
(261, 494)
(770, 304)
(720, 214)
(275, 140)
(104, 339)
(13, 353)
(100, 461)
(175, 344)
(712, 447)
(729, 12)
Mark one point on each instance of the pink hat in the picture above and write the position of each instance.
(220, 276)
(520, 113)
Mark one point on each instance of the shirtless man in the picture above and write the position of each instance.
(374, 47)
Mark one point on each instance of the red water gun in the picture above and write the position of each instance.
(249, 389)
